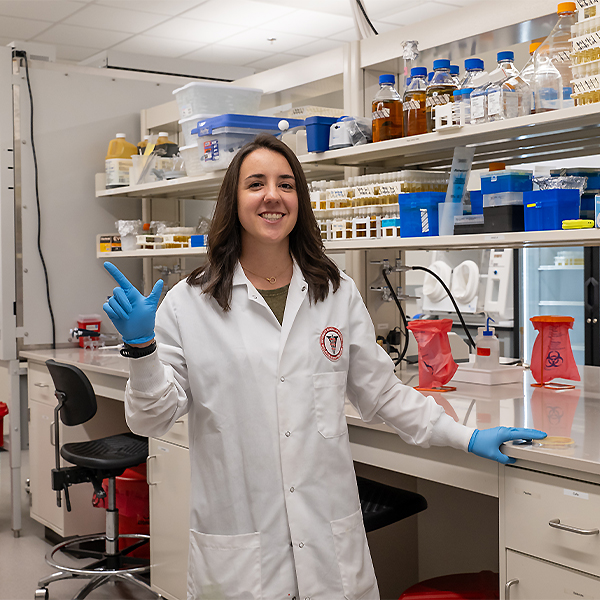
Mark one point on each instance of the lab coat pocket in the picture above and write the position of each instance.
(329, 391)
(224, 566)
(354, 558)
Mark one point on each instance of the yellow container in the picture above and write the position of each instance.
(120, 148)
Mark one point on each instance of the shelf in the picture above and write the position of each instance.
(570, 132)
(516, 239)
(560, 268)
(560, 303)
(153, 253)
(202, 187)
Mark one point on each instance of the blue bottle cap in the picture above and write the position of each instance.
(441, 63)
(454, 69)
(467, 91)
(387, 79)
(487, 332)
(457, 93)
(430, 76)
(506, 55)
(472, 64)
(418, 72)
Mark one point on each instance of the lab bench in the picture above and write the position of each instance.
(548, 502)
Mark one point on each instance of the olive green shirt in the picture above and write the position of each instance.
(276, 300)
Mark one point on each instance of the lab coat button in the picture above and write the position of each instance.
(303, 288)
(292, 489)
(301, 545)
(282, 379)
(288, 433)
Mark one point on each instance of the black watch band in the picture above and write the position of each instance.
(134, 352)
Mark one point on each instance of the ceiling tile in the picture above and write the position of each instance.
(229, 55)
(21, 29)
(333, 7)
(318, 24)
(42, 10)
(160, 7)
(156, 46)
(74, 53)
(317, 47)
(258, 39)
(80, 36)
(115, 19)
(275, 60)
(194, 31)
(350, 35)
(376, 9)
(247, 13)
(426, 10)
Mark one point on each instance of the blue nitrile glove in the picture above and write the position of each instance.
(486, 442)
(131, 312)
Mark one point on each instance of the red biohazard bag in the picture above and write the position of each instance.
(552, 355)
(436, 365)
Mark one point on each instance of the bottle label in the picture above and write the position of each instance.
(493, 103)
(336, 194)
(364, 191)
(437, 100)
(412, 105)
(381, 113)
(477, 107)
(484, 352)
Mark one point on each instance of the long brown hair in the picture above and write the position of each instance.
(225, 240)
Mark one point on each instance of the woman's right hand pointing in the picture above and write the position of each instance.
(131, 312)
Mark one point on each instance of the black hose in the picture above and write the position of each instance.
(471, 342)
(364, 12)
(404, 321)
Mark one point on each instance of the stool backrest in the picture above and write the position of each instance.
(75, 389)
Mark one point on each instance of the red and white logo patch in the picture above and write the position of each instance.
(332, 343)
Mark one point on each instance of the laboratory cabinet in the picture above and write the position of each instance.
(551, 535)
(169, 483)
(83, 518)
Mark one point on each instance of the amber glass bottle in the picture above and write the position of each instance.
(387, 111)
(415, 122)
(439, 90)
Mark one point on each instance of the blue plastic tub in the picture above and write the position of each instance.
(547, 209)
(476, 202)
(419, 213)
(506, 181)
(317, 133)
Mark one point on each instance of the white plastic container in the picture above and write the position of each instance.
(207, 98)
(487, 348)
(117, 172)
(190, 123)
(191, 159)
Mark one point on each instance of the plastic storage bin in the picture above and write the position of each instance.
(476, 202)
(593, 176)
(419, 213)
(191, 123)
(317, 133)
(547, 209)
(206, 98)
(221, 137)
(506, 181)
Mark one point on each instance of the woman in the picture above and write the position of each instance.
(260, 348)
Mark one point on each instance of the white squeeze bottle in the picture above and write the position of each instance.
(487, 348)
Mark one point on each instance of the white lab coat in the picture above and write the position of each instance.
(274, 502)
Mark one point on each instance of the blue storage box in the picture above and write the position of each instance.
(219, 138)
(198, 241)
(317, 133)
(547, 209)
(506, 181)
(476, 202)
(419, 213)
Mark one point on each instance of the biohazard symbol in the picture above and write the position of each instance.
(554, 359)
(332, 343)
(554, 414)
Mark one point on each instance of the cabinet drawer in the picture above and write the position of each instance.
(538, 580)
(40, 386)
(535, 503)
(178, 434)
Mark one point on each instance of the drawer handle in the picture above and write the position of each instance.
(148, 476)
(41, 385)
(558, 525)
(507, 587)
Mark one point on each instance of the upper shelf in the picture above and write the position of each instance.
(202, 187)
(570, 132)
(515, 239)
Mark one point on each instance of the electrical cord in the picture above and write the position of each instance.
(404, 320)
(434, 274)
(364, 12)
(23, 55)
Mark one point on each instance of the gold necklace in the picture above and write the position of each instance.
(271, 280)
